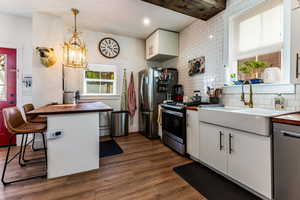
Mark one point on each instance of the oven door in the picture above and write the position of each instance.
(173, 124)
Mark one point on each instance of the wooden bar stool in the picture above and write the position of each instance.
(16, 125)
(32, 119)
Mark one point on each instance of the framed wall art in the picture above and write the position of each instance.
(197, 66)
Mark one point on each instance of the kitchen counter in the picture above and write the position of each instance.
(71, 108)
(195, 108)
(72, 137)
(292, 119)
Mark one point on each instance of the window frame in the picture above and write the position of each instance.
(231, 43)
(100, 68)
(5, 80)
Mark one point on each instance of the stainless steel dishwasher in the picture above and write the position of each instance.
(286, 162)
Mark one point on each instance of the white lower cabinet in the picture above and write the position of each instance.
(250, 161)
(243, 156)
(192, 133)
(212, 149)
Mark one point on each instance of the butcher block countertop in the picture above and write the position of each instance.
(71, 108)
(292, 119)
(195, 108)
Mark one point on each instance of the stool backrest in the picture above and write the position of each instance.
(12, 119)
(27, 108)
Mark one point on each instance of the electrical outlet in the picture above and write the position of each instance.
(54, 134)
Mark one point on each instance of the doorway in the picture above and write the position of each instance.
(8, 91)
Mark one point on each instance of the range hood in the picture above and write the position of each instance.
(201, 9)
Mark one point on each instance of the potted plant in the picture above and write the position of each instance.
(251, 70)
(246, 71)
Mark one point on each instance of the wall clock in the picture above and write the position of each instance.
(109, 48)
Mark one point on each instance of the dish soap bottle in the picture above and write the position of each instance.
(279, 102)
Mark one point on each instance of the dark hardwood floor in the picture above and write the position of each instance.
(142, 172)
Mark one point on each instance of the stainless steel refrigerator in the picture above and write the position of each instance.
(155, 86)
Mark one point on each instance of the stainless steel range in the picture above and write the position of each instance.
(174, 127)
(174, 123)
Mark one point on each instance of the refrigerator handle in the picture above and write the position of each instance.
(141, 89)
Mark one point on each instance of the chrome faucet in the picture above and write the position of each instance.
(250, 102)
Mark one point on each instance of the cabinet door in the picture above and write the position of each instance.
(249, 160)
(295, 46)
(152, 46)
(212, 149)
(192, 134)
(168, 43)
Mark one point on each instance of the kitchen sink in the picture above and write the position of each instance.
(254, 120)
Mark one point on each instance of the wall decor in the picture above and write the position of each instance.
(27, 85)
(197, 65)
(47, 56)
(109, 47)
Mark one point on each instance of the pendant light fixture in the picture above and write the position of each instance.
(75, 51)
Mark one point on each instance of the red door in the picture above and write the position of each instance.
(8, 95)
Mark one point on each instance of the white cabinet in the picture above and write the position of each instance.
(295, 46)
(162, 45)
(192, 133)
(243, 156)
(249, 160)
(212, 146)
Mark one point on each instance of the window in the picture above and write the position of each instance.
(256, 35)
(3, 62)
(262, 30)
(100, 80)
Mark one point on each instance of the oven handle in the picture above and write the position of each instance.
(178, 114)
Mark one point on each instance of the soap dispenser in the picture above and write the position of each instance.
(279, 102)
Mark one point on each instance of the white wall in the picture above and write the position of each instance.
(131, 58)
(16, 32)
(47, 82)
(44, 30)
(194, 42)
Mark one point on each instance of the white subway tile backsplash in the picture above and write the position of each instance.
(195, 42)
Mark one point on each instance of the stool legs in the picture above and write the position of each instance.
(23, 154)
(20, 153)
(24, 161)
(6, 162)
(33, 140)
(45, 148)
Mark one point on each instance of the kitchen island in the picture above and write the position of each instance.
(72, 137)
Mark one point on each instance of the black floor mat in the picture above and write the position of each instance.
(109, 148)
(212, 185)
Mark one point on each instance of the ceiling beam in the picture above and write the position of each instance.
(201, 9)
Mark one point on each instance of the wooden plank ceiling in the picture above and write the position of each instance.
(201, 9)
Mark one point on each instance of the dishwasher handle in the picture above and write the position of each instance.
(291, 134)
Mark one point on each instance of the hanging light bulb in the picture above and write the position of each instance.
(75, 51)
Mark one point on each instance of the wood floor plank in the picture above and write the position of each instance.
(143, 172)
